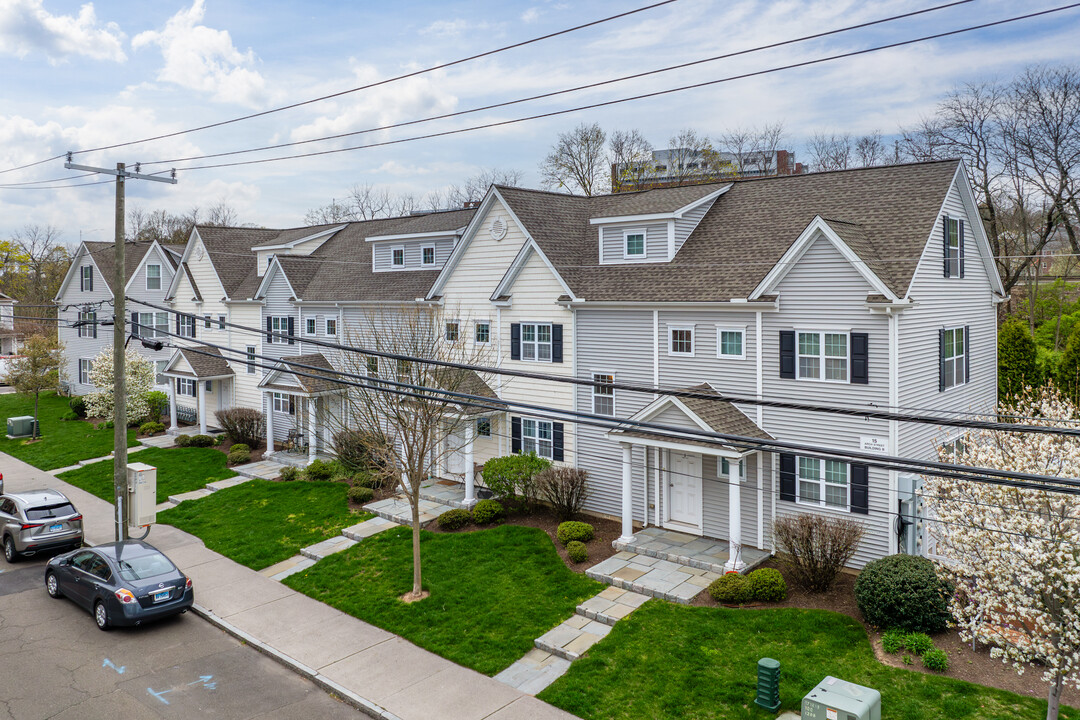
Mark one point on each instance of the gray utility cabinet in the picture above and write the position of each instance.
(21, 426)
(836, 699)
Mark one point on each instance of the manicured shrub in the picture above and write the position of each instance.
(572, 530)
(892, 641)
(243, 425)
(290, 473)
(455, 519)
(767, 585)
(238, 457)
(815, 548)
(576, 551)
(936, 660)
(918, 643)
(78, 406)
(730, 589)
(70, 415)
(564, 488)
(368, 480)
(236, 447)
(201, 441)
(359, 450)
(361, 495)
(183, 441)
(513, 476)
(157, 404)
(487, 512)
(149, 428)
(903, 591)
(319, 470)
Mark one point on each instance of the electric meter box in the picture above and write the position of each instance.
(836, 699)
(141, 494)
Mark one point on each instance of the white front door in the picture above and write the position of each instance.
(455, 452)
(684, 489)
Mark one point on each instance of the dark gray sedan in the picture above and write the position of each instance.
(120, 583)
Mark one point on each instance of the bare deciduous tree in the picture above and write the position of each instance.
(577, 161)
(870, 150)
(35, 263)
(630, 156)
(474, 189)
(830, 152)
(690, 155)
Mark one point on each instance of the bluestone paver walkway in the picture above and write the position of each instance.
(391, 674)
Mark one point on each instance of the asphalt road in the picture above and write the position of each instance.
(55, 663)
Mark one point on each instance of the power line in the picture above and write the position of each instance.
(578, 88)
(642, 96)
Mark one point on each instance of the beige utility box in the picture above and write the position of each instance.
(142, 494)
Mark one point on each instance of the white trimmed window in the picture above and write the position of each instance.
(951, 448)
(185, 386)
(822, 356)
(187, 326)
(282, 403)
(331, 327)
(952, 247)
(536, 342)
(397, 256)
(427, 255)
(279, 325)
(309, 326)
(372, 366)
(153, 324)
(452, 331)
(536, 437)
(221, 322)
(482, 332)
(84, 371)
(633, 243)
(250, 359)
(952, 358)
(153, 277)
(89, 327)
(603, 395)
(681, 340)
(86, 278)
(730, 343)
(725, 468)
(483, 427)
(823, 482)
(159, 372)
(207, 322)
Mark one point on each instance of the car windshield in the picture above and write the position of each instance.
(50, 511)
(144, 566)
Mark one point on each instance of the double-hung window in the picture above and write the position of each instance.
(452, 331)
(680, 340)
(331, 327)
(536, 342)
(86, 278)
(185, 386)
(427, 255)
(633, 243)
(952, 247)
(397, 257)
(207, 322)
(482, 332)
(221, 322)
(603, 394)
(187, 326)
(279, 325)
(729, 343)
(309, 326)
(536, 437)
(88, 326)
(372, 366)
(250, 359)
(483, 427)
(84, 371)
(823, 356)
(153, 277)
(953, 357)
(823, 482)
(153, 324)
(283, 403)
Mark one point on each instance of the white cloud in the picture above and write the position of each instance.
(456, 27)
(202, 58)
(26, 26)
(531, 15)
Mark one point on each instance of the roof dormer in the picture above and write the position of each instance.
(413, 251)
(293, 242)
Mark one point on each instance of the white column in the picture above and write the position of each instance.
(441, 452)
(470, 479)
(172, 404)
(627, 494)
(269, 422)
(313, 433)
(201, 393)
(734, 518)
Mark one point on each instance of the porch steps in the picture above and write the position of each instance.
(397, 510)
(700, 553)
(261, 470)
(327, 547)
(444, 492)
(652, 576)
(368, 528)
(611, 605)
(570, 639)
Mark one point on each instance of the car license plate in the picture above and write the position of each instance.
(160, 595)
(56, 528)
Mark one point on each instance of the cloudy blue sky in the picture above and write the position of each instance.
(84, 75)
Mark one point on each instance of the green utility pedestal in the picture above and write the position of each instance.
(768, 684)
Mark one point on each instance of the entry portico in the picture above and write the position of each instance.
(691, 476)
(304, 381)
(203, 374)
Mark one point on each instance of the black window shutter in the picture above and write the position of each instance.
(967, 354)
(135, 329)
(194, 325)
(941, 360)
(557, 442)
(269, 330)
(515, 341)
(91, 288)
(515, 435)
(787, 477)
(860, 488)
(556, 343)
(93, 324)
(787, 354)
(960, 231)
(945, 240)
(178, 324)
(292, 330)
(860, 358)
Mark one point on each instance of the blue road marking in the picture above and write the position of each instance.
(159, 694)
(109, 663)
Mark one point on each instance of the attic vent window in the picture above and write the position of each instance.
(498, 229)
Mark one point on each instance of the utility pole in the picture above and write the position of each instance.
(120, 339)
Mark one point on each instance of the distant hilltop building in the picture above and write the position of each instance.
(685, 166)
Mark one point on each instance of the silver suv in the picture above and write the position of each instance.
(38, 520)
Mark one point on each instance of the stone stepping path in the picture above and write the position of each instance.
(397, 509)
(313, 553)
(368, 528)
(690, 550)
(193, 495)
(159, 441)
(571, 638)
(612, 605)
(285, 568)
(651, 576)
(263, 469)
(91, 461)
(327, 547)
(226, 483)
(534, 672)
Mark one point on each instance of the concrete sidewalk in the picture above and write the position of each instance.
(387, 676)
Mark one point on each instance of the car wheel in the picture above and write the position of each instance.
(101, 615)
(10, 554)
(52, 585)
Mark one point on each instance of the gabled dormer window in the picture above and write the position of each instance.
(86, 278)
(153, 277)
(634, 243)
(953, 242)
(427, 255)
(397, 257)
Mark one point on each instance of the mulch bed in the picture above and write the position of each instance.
(964, 664)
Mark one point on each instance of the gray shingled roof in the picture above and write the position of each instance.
(104, 257)
(287, 236)
(719, 414)
(207, 362)
(885, 213)
(230, 252)
(309, 384)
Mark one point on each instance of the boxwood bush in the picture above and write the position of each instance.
(576, 551)
(730, 589)
(487, 512)
(903, 591)
(199, 441)
(290, 473)
(319, 470)
(238, 457)
(78, 406)
(361, 495)
(454, 519)
(766, 585)
(572, 530)
(149, 428)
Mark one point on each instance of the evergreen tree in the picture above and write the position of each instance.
(1017, 360)
(1068, 378)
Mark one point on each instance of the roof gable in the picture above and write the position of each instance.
(528, 250)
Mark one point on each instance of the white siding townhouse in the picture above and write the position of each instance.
(86, 295)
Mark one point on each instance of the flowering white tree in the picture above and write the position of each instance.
(1014, 553)
(139, 376)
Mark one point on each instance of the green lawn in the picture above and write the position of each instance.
(261, 522)
(179, 470)
(64, 442)
(674, 661)
(492, 591)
